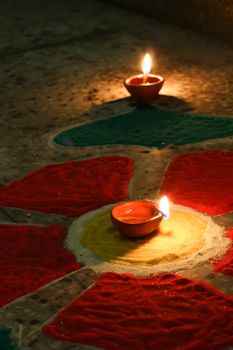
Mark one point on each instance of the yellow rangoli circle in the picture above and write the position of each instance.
(180, 236)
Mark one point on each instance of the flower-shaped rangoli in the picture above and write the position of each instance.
(126, 310)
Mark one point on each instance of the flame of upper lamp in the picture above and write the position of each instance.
(146, 64)
(164, 207)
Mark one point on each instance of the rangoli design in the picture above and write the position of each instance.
(145, 304)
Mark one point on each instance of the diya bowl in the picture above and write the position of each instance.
(142, 91)
(136, 219)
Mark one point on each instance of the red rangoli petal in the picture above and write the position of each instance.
(30, 257)
(122, 312)
(202, 181)
(225, 264)
(71, 188)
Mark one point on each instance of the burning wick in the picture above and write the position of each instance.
(146, 67)
(144, 87)
(164, 207)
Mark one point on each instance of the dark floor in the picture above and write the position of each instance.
(64, 63)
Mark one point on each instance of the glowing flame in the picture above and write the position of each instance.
(146, 65)
(164, 207)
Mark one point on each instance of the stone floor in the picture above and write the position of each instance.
(61, 59)
(63, 63)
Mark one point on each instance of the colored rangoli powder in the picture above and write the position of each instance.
(202, 181)
(224, 265)
(6, 342)
(185, 240)
(122, 312)
(152, 127)
(71, 188)
(181, 235)
(30, 257)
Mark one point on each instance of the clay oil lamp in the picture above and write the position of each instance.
(139, 218)
(144, 87)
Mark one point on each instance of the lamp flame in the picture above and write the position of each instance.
(146, 65)
(164, 207)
